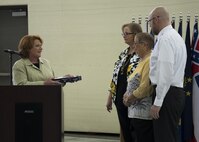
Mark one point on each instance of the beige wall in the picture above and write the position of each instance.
(83, 37)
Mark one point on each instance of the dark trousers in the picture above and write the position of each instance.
(143, 130)
(166, 127)
(122, 112)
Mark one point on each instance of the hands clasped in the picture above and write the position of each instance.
(154, 112)
(128, 99)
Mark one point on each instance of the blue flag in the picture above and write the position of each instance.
(173, 23)
(179, 126)
(187, 119)
(180, 27)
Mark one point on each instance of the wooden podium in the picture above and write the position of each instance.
(31, 114)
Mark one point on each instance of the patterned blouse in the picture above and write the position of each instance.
(118, 64)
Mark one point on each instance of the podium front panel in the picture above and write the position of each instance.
(28, 122)
(31, 114)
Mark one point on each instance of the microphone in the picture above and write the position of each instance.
(12, 52)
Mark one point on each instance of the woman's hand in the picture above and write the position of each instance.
(109, 103)
(154, 112)
(128, 99)
(51, 82)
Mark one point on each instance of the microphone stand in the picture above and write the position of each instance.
(10, 59)
(11, 52)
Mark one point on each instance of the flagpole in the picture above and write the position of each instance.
(188, 17)
(180, 17)
(196, 18)
(133, 19)
(173, 21)
(180, 24)
(147, 26)
(140, 19)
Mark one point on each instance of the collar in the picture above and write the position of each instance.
(169, 27)
(29, 63)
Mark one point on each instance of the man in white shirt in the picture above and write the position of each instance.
(167, 65)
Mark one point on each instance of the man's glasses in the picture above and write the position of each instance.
(153, 18)
(126, 34)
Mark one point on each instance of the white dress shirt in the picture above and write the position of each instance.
(167, 64)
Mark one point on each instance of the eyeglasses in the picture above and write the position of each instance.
(126, 34)
(153, 18)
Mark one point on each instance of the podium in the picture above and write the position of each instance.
(31, 114)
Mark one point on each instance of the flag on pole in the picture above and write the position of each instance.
(195, 72)
(173, 22)
(180, 27)
(187, 119)
(179, 125)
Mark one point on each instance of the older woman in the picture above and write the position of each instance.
(139, 91)
(124, 66)
(31, 69)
